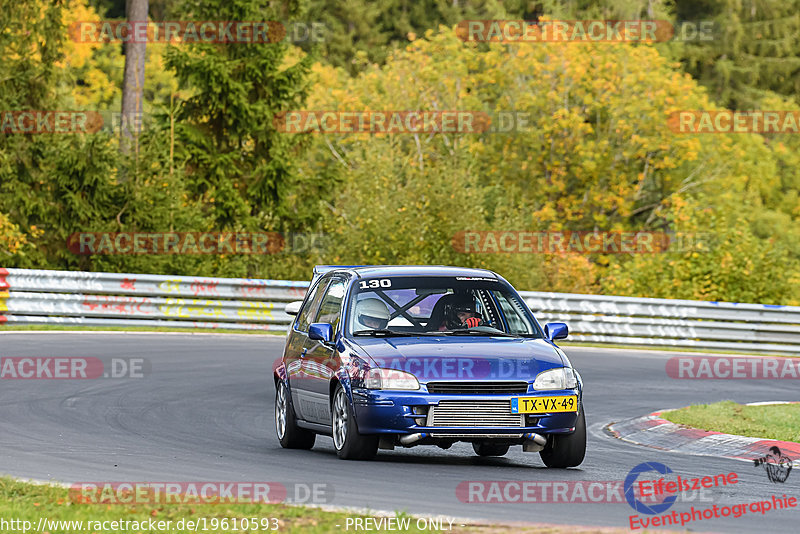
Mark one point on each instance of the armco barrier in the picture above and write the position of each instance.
(109, 299)
(673, 323)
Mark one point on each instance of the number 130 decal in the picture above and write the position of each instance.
(374, 284)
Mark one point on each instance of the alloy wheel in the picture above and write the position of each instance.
(340, 417)
(281, 405)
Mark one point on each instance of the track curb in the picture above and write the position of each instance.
(655, 432)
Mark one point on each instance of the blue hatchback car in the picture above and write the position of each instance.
(400, 356)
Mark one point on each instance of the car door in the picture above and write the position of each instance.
(320, 360)
(296, 345)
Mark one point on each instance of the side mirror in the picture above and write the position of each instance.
(293, 308)
(556, 331)
(320, 332)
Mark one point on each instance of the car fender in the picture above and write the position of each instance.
(279, 371)
(340, 377)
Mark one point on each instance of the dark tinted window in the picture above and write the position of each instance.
(330, 311)
(311, 305)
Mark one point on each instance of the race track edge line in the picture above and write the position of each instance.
(657, 433)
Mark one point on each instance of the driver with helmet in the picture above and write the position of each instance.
(462, 313)
(371, 314)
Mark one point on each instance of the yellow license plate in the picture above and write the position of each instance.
(544, 404)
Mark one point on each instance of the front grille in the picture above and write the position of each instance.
(477, 388)
(474, 414)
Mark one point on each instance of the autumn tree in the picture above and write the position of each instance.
(594, 153)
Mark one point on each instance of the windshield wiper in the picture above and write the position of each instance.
(472, 332)
(383, 332)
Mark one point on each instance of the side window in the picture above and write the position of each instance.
(304, 318)
(517, 322)
(330, 311)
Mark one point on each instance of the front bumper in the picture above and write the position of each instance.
(392, 412)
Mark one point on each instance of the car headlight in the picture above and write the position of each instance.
(560, 378)
(390, 379)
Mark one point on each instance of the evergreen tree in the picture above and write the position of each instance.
(755, 49)
(361, 32)
(236, 160)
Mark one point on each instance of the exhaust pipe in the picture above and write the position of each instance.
(410, 439)
(533, 442)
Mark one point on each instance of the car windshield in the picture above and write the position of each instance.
(438, 306)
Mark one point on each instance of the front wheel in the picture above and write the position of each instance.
(566, 450)
(349, 444)
(290, 435)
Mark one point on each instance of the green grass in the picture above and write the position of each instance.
(30, 502)
(776, 421)
(77, 328)
(20, 500)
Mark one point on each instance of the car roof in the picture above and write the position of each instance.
(405, 270)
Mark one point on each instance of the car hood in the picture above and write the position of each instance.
(462, 358)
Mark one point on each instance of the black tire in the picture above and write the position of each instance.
(348, 442)
(484, 448)
(291, 436)
(566, 450)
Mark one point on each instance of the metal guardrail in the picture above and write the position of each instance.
(109, 299)
(672, 323)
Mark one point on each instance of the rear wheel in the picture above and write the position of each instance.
(489, 449)
(289, 434)
(566, 450)
(349, 443)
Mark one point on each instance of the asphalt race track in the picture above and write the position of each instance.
(205, 413)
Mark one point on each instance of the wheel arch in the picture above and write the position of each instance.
(342, 379)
